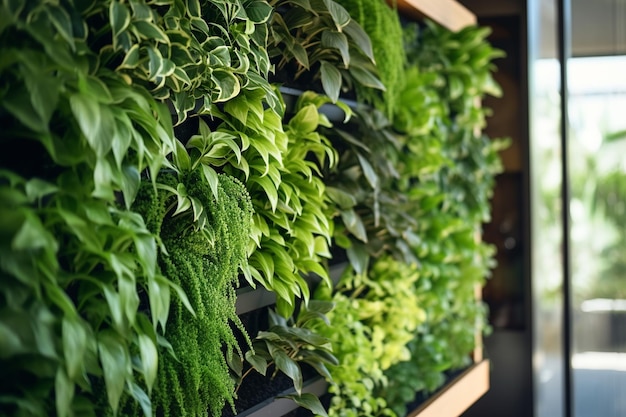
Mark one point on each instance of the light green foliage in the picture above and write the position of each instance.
(287, 343)
(379, 312)
(317, 40)
(382, 25)
(280, 166)
(203, 256)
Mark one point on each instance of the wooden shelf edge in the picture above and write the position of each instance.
(457, 396)
(448, 13)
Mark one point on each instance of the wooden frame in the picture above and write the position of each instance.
(448, 13)
(458, 395)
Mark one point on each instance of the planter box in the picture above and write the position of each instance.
(457, 396)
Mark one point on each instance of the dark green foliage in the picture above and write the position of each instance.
(317, 41)
(289, 343)
(204, 259)
(382, 24)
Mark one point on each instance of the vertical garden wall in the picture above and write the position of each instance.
(159, 158)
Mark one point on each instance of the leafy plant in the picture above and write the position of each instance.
(287, 344)
(204, 238)
(195, 53)
(320, 39)
(379, 310)
(76, 262)
(280, 166)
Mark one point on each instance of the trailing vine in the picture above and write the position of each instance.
(204, 260)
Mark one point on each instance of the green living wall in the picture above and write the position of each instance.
(153, 162)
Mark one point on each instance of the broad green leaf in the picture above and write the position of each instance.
(96, 123)
(37, 188)
(359, 258)
(342, 198)
(129, 300)
(115, 366)
(44, 91)
(10, 343)
(339, 14)
(288, 366)
(146, 247)
(194, 9)
(119, 16)
(33, 235)
(131, 59)
(227, 83)
(156, 63)
(212, 178)
(181, 156)
(64, 392)
(149, 30)
(339, 41)
(149, 359)
(258, 362)
(258, 11)
(235, 363)
(310, 402)
(115, 306)
(354, 224)
(306, 120)
(62, 22)
(270, 190)
(19, 104)
(159, 297)
(142, 398)
(300, 54)
(74, 346)
(130, 184)
(331, 80)
(369, 172)
(366, 78)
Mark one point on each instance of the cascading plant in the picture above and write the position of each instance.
(204, 236)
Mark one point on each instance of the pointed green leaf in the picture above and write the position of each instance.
(310, 402)
(331, 80)
(115, 366)
(339, 41)
(258, 362)
(366, 78)
(64, 393)
(149, 360)
(288, 366)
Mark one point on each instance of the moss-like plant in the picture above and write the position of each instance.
(204, 249)
(382, 24)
